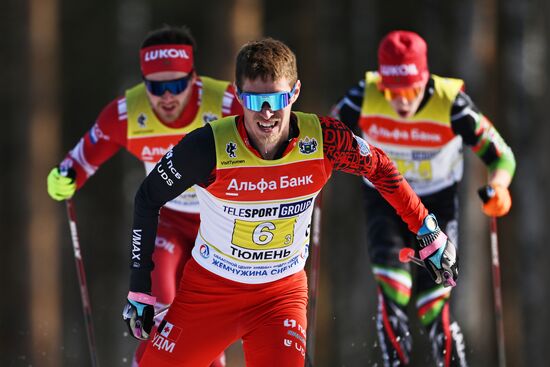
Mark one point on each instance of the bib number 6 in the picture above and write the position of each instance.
(276, 233)
(263, 234)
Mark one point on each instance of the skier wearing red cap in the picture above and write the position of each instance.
(421, 121)
(171, 101)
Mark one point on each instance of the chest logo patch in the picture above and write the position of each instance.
(230, 149)
(307, 145)
(141, 120)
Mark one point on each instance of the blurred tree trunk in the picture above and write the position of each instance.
(210, 22)
(344, 41)
(43, 141)
(15, 337)
(535, 212)
(89, 81)
(513, 111)
(246, 23)
(523, 94)
(472, 59)
(133, 19)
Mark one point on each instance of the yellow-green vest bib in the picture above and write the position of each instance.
(255, 216)
(437, 110)
(423, 147)
(144, 124)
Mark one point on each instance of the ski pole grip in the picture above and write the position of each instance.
(486, 193)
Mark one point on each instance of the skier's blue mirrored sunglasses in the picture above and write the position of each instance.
(176, 86)
(276, 101)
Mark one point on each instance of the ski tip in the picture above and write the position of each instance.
(405, 254)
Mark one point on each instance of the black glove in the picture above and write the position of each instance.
(139, 314)
(437, 252)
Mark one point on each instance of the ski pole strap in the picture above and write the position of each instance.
(142, 298)
(432, 247)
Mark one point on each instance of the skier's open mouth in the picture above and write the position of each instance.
(169, 108)
(267, 125)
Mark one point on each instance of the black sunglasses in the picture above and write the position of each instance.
(176, 86)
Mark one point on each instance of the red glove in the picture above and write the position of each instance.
(496, 200)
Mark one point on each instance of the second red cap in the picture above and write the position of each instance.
(402, 60)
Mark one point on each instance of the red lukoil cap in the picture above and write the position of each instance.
(157, 58)
(402, 60)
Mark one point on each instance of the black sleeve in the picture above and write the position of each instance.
(481, 135)
(465, 117)
(348, 109)
(190, 162)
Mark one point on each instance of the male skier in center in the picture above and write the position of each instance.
(257, 176)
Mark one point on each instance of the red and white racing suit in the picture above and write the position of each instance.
(129, 122)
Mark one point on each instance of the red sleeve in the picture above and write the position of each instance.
(101, 142)
(231, 105)
(349, 153)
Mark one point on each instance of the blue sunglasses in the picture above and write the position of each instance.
(276, 101)
(176, 86)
